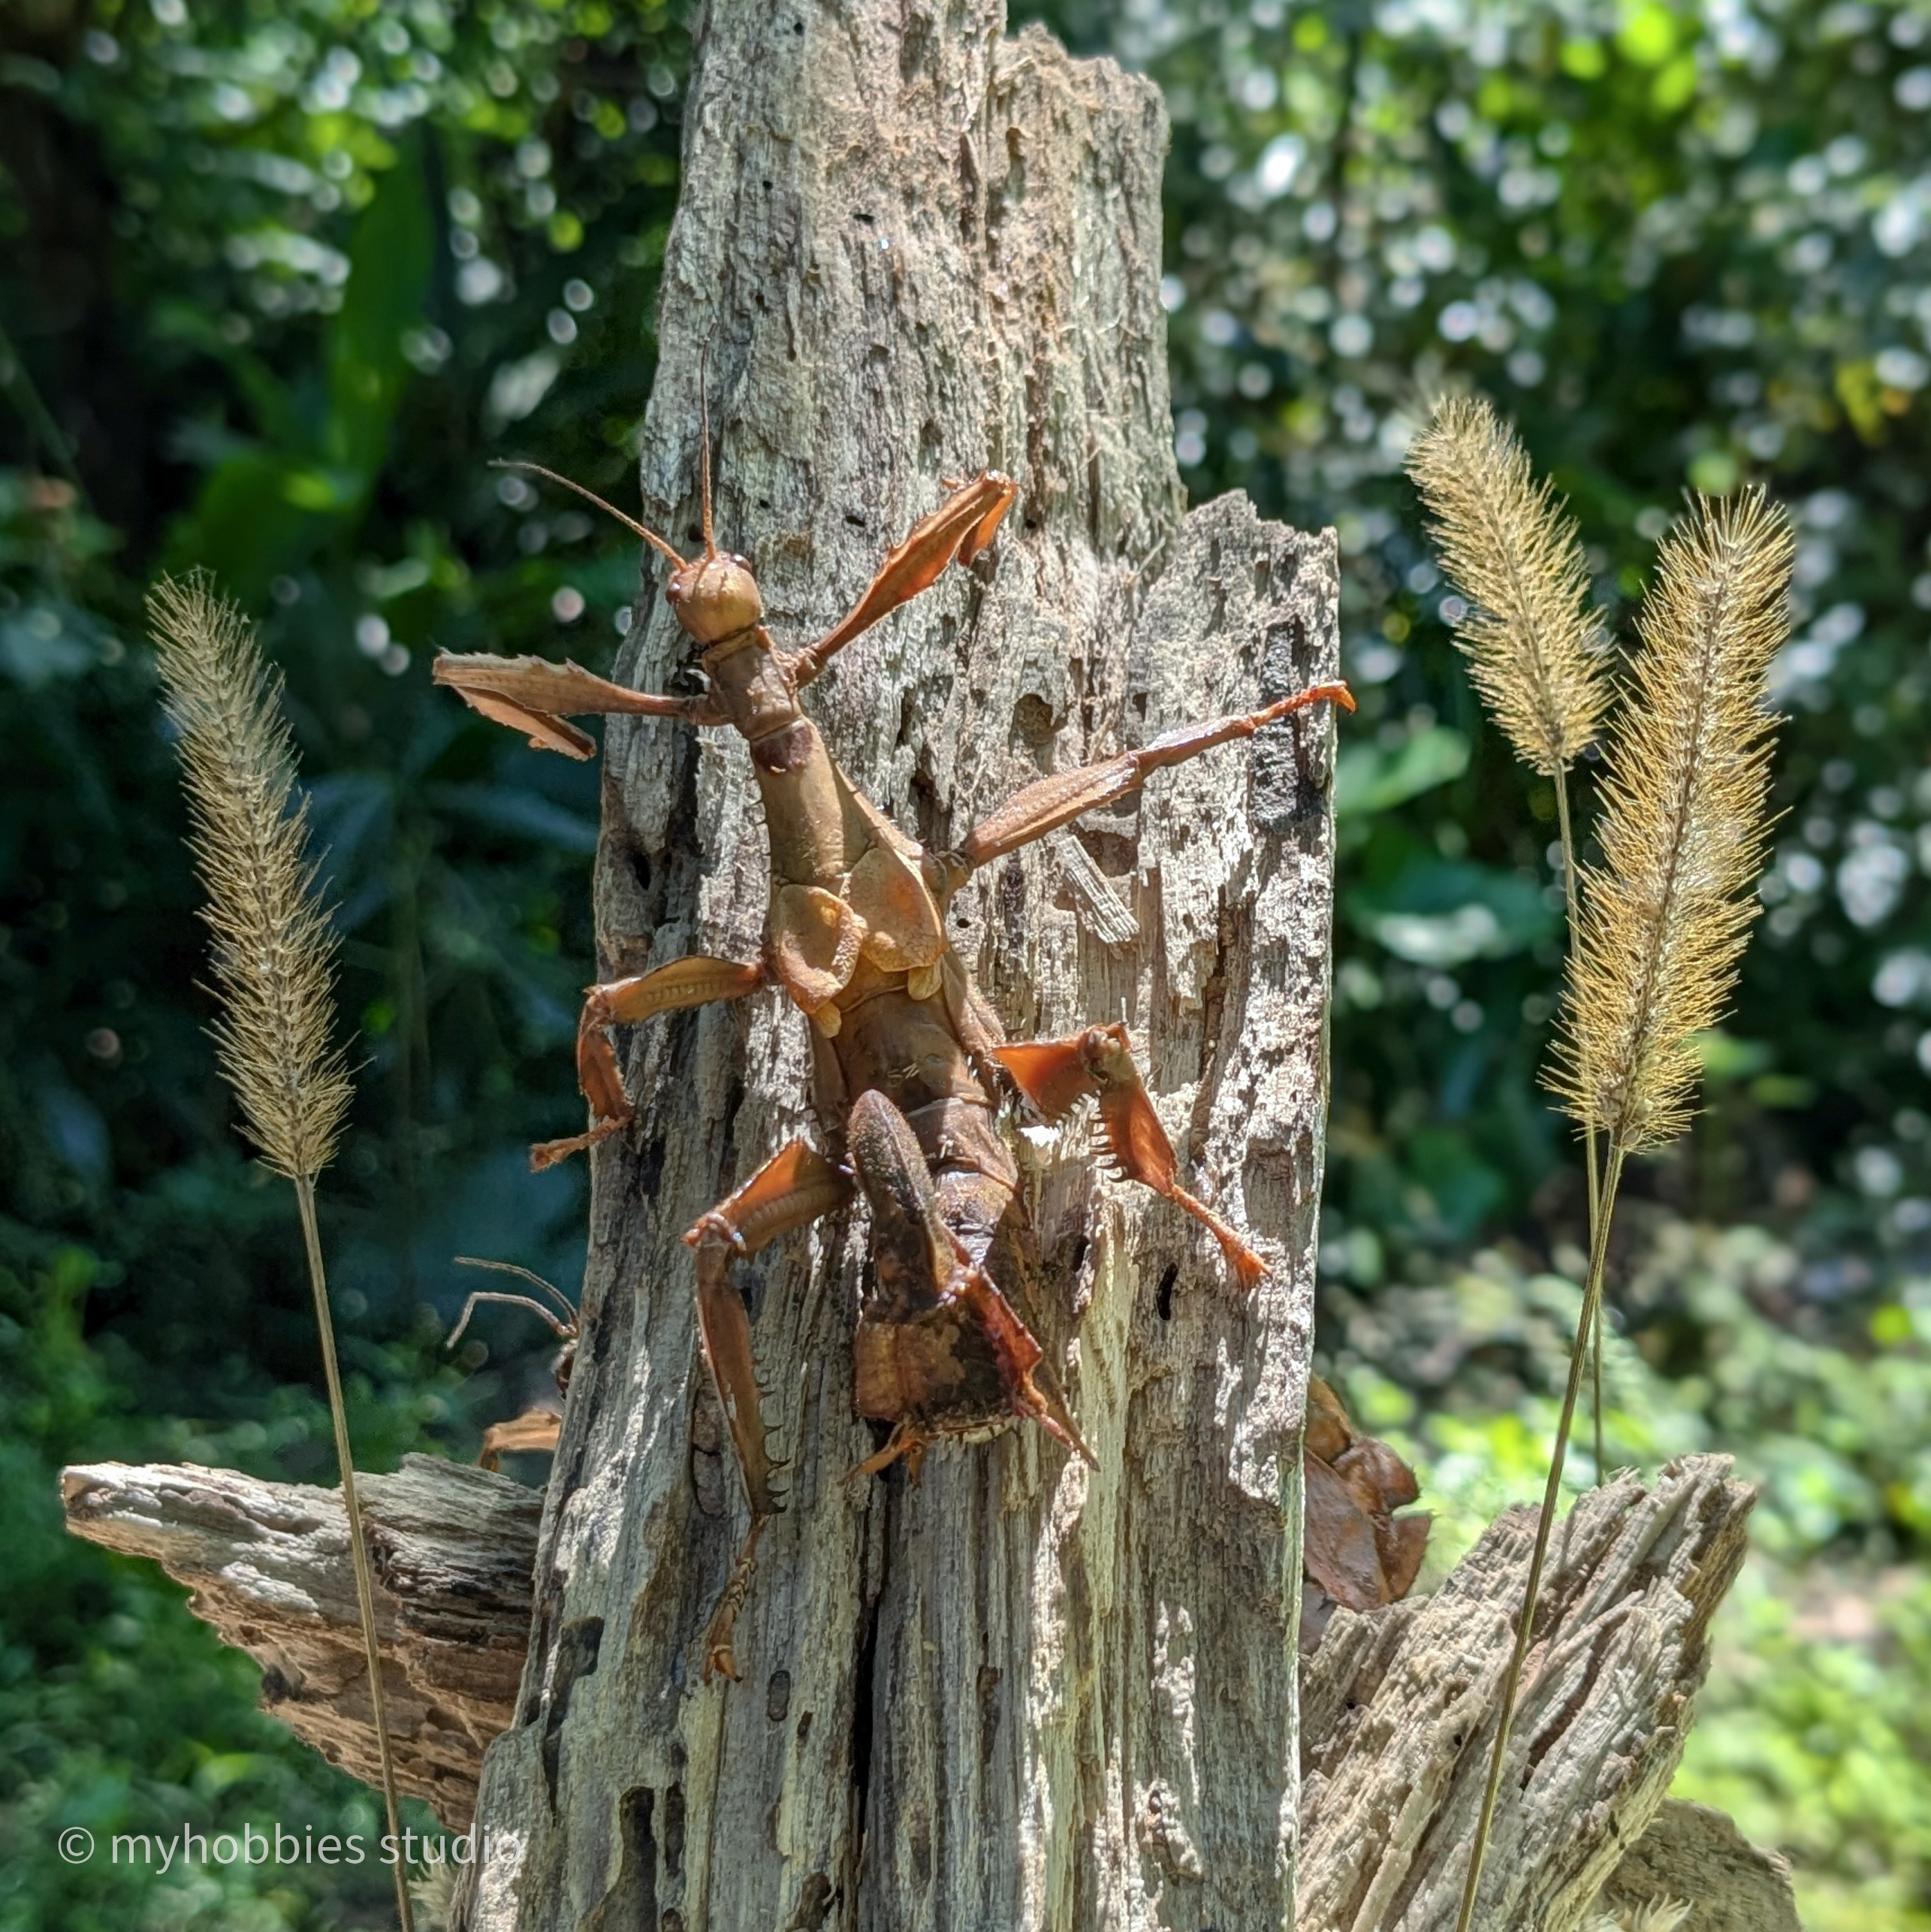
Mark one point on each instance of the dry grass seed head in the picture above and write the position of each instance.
(1534, 648)
(1666, 915)
(272, 949)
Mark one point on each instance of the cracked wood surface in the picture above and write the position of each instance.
(914, 249)
(1399, 1709)
(1393, 1711)
(1695, 1855)
(267, 1566)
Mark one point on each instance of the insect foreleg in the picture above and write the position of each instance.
(534, 696)
(955, 532)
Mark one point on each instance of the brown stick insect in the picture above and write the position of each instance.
(910, 1064)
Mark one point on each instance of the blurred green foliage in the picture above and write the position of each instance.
(1812, 1731)
(284, 277)
(1682, 245)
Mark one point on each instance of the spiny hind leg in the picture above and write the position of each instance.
(1048, 803)
(1055, 1074)
(940, 1351)
(694, 982)
(796, 1186)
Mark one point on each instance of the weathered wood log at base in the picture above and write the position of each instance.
(453, 1549)
(1399, 1709)
(1398, 1706)
(1694, 1856)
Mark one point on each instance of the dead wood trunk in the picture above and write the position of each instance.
(914, 249)
(1397, 1707)
(1024, 1694)
(268, 1565)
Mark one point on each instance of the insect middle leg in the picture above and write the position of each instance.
(796, 1186)
(695, 981)
(1048, 803)
(1055, 1074)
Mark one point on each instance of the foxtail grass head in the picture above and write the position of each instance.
(1666, 915)
(273, 950)
(1510, 548)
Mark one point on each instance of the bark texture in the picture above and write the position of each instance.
(1021, 1694)
(1400, 1707)
(268, 1566)
(1387, 1733)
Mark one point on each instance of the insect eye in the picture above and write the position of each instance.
(744, 562)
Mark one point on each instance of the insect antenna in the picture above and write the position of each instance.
(549, 1288)
(649, 535)
(703, 441)
(564, 1330)
(511, 1301)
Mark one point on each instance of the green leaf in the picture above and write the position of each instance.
(1726, 1058)
(388, 281)
(247, 524)
(1443, 912)
(1369, 779)
(40, 642)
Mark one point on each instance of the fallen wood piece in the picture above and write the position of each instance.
(1697, 1854)
(1399, 1707)
(453, 1548)
(1397, 1703)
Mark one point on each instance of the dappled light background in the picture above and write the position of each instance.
(283, 279)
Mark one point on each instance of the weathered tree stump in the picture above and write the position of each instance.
(914, 249)
(1023, 1694)
(1398, 1707)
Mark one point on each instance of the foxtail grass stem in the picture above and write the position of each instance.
(1592, 1295)
(358, 1546)
(1294, 1518)
(1593, 1176)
